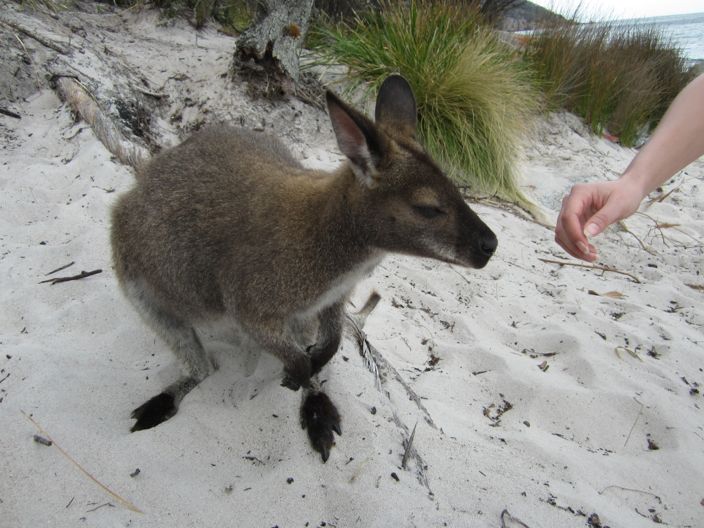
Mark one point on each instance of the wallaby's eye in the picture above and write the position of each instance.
(429, 211)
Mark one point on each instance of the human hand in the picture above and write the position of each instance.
(589, 209)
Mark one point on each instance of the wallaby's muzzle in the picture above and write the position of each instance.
(477, 242)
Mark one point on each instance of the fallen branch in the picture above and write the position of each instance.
(83, 103)
(127, 504)
(591, 266)
(45, 41)
(81, 275)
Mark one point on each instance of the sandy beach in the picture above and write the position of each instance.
(555, 392)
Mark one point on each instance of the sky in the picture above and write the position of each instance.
(599, 9)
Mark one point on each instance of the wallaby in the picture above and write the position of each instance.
(228, 227)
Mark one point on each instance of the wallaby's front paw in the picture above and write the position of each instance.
(320, 418)
(297, 375)
(290, 383)
(156, 410)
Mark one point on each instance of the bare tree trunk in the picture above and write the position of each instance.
(275, 40)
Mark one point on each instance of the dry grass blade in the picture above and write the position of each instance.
(645, 248)
(409, 446)
(630, 352)
(127, 504)
(610, 294)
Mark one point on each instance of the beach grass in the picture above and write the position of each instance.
(618, 77)
(475, 97)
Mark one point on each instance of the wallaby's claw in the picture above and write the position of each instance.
(320, 418)
(154, 411)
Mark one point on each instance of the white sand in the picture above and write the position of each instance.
(575, 441)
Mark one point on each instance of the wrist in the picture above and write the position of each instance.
(636, 185)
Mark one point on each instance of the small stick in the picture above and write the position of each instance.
(61, 268)
(623, 226)
(81, 275)
(9, 113)
(633, 490)
(127, 504)
(101, 506)
(41, 440)
(590, 266)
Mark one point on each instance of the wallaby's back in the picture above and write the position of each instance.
(174, 230)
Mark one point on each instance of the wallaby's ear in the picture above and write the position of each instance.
(396, 106)
(357, 138)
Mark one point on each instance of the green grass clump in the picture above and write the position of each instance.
(474, 97)
(617, 77)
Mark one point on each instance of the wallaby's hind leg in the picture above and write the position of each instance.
(329, 337)
(183, 341)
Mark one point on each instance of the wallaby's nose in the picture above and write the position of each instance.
(488, 245)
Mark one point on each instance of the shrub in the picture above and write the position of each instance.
(620, 77)
(474, 97)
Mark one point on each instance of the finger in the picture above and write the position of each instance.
(603, 218)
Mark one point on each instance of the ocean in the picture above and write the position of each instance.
(686, 31)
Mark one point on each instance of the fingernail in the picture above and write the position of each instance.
(583, 248)
(591, 230)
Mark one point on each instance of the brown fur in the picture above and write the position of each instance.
(229, 226)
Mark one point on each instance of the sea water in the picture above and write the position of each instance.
(686, 32)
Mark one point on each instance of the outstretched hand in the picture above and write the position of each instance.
(589, 209)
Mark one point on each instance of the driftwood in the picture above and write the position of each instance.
(275, 40)
(104, 127)
(119, 111)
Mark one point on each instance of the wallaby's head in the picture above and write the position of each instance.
(401, 199)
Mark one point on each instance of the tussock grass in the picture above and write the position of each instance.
(475, 99)
(617, 77)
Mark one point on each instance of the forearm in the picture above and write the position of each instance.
(677, 141)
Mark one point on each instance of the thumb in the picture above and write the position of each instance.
(603, 218)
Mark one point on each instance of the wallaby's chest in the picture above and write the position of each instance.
(340, 287)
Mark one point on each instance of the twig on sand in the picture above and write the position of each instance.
(9, 113)
(127, 504)
(591, 266)
(110, 504)
(61, 268)
(81, 275)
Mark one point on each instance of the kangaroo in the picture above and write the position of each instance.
(229, 227)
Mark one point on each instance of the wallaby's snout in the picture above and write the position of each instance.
(479, 242)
